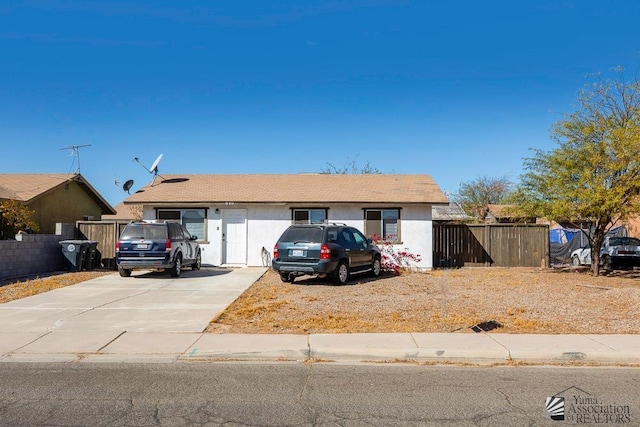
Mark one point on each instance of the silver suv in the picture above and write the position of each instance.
(145, 245)
(615, 252)
(327, 250)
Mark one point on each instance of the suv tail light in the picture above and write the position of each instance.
(275, 251)
(117, 245)
(325, 252)
(167, 245)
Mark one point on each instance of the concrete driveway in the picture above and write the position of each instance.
(112, 311)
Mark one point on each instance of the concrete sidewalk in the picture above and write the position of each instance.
(154, 318)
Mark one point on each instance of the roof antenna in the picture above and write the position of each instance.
(75, 152)
(153, 169)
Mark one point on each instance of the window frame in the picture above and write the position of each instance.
(308, 210)
(381, 228)
(181, 211)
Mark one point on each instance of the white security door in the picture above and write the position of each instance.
(234, 236)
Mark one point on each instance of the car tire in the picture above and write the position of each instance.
(376, 267)
(124, 272)
(576, 260)
(177, 267)
(341, 275)
(607, 264)
(287, 277)
(198, 262)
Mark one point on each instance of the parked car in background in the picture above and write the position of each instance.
(149, 245)
(325, 250)
(615, 252)
(581, 256)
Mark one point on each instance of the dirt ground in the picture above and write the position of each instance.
(553, 301)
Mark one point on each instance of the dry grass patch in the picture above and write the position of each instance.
(22, 289)
(518, 300)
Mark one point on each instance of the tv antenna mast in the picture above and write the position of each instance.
(153, 169)
(75, 152)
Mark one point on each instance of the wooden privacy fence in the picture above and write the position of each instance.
(106, 233)
(490, 245)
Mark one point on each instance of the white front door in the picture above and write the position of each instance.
(234, 236)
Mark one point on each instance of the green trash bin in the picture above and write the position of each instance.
(90, 258)
(74, 252)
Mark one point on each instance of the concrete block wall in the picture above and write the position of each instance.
(32, 254)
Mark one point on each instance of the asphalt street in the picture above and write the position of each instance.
(295, 394)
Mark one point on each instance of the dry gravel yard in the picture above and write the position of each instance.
(509, 300)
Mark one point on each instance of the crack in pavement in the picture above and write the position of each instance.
(58, 323)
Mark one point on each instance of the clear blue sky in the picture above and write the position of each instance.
(455, 89)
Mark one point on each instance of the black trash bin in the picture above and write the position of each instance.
(74, 252)
(90, 259)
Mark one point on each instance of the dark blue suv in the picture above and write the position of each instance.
(147, 245)
(326, 250)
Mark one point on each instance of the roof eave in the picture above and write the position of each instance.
(275, 202)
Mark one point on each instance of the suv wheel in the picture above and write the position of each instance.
(287, 278)
(198, 262)
(177, 267)
(376, 267)
(576, 260)
(124, 272)
(342, 273)
(607, 263)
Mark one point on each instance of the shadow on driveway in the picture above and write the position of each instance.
(205, 271)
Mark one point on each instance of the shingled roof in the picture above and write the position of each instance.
(293, 188)
(27, 187)
(6, 194)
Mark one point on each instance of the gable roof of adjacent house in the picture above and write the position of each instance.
(500, 211)
(292, 188)
(28, 187)
(6, 194)
(128, 212)
(452, 212)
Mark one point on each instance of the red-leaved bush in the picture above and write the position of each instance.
(393, 260)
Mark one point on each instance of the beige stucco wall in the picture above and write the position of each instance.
(266, 223)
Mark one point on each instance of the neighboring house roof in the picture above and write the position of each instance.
(27, 187)
(6, 194)
(451, 212)
(501, 211)
(293, 188)
(506, 213)
(125, 212)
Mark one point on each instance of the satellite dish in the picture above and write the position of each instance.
(153, 169)
(127, 186)
(154, 166)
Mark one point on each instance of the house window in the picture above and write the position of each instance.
(382, 223)
(309, 216)
(194, 220)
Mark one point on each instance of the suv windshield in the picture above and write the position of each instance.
(302, 234)
(144, 231)
(624, 241)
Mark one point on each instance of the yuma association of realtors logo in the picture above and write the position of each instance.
(554, 408)
(584, 408)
